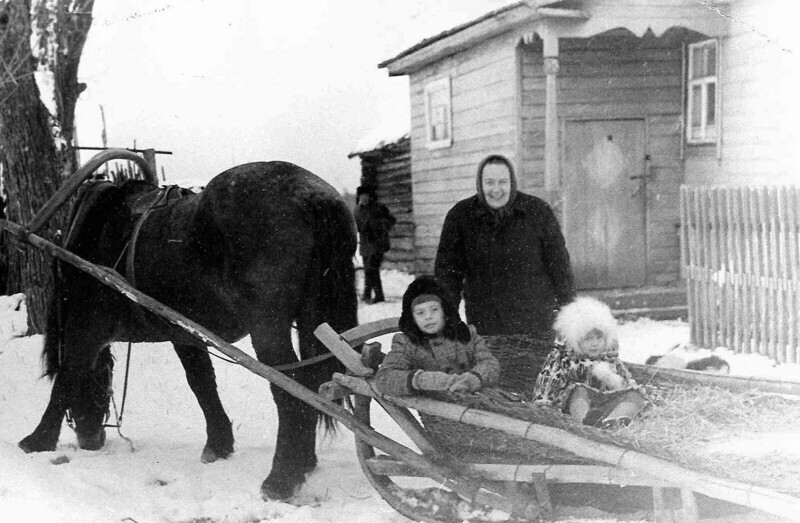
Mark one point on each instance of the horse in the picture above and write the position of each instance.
(266, 247)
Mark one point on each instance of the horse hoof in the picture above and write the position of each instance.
(31, 444)
(211, 455)
(92, 442)
(273, 490)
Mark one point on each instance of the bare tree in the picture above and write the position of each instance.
(40, 49)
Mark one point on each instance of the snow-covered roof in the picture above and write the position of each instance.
(390, 130)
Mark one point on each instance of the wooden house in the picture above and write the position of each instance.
(605, 107)
(386, 166)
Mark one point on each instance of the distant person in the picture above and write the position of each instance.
(504, 250)
(435, 350)
(374, 221)
(583, 375)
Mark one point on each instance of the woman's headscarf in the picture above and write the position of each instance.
(496, 158)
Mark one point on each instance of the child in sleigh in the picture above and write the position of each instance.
(435, 350)
(583, 375)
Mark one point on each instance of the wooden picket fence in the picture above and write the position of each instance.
(740, 250)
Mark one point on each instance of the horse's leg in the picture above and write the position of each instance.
(45, 435)
(202, 380)
(295, 444)
(65, 393)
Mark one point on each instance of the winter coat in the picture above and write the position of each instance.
(435, 354)
(373, 222)
(562, 370)
(513, 268)
(566, 366)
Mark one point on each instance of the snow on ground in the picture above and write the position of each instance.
(156, 476)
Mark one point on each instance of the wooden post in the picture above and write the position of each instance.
(150, 158)
(551, 66)
(689, 512)
(660, 512)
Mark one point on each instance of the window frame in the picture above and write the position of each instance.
(431, 88)
(703, 82)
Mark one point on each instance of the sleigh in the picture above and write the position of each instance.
(482, 458)
(526, 452)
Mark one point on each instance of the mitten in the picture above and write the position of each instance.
(605, 374)
(432, 380)
(467, 382)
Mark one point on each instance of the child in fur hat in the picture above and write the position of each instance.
(435, 350)
(583, 375)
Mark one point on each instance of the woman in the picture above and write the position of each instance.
(504, 250)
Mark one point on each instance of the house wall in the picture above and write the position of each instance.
(615, 77)
(483, 94)
(760, 81)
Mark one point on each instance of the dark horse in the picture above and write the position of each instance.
(265, 246)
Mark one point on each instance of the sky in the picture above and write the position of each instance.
(224, 82)
(157, 476)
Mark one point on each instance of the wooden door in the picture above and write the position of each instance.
(604, 202)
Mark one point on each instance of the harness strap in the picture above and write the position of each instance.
(302, 363)
(161, 199)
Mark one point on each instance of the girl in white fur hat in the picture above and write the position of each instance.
(583, 375)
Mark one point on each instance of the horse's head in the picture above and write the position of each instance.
(91, 409)
(100, 221)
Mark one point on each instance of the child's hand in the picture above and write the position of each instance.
(433, 380)
(467, 382)
(605, 374)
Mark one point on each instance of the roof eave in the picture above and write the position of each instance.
(459, 39)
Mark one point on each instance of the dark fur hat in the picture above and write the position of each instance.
(365, 189)
(454, 328)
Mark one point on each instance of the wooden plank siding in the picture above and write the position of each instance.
(483, 98)
(758, 83)
(618, 76)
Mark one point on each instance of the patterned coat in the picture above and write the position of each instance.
(437, 354)
(562, 370)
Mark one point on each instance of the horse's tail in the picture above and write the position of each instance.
(335, 248)
(333, 284)
(53, 334)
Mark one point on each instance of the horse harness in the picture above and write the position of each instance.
(164, 197)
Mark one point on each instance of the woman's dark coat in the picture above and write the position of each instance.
(512, 267)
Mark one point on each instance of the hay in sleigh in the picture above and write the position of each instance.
(692, 425)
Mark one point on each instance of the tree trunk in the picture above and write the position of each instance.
(36, 150)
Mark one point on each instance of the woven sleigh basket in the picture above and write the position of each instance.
(521, 358)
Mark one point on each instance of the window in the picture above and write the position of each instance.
(438, 126)
(702, 94)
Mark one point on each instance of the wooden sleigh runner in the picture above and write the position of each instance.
(522, 448)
